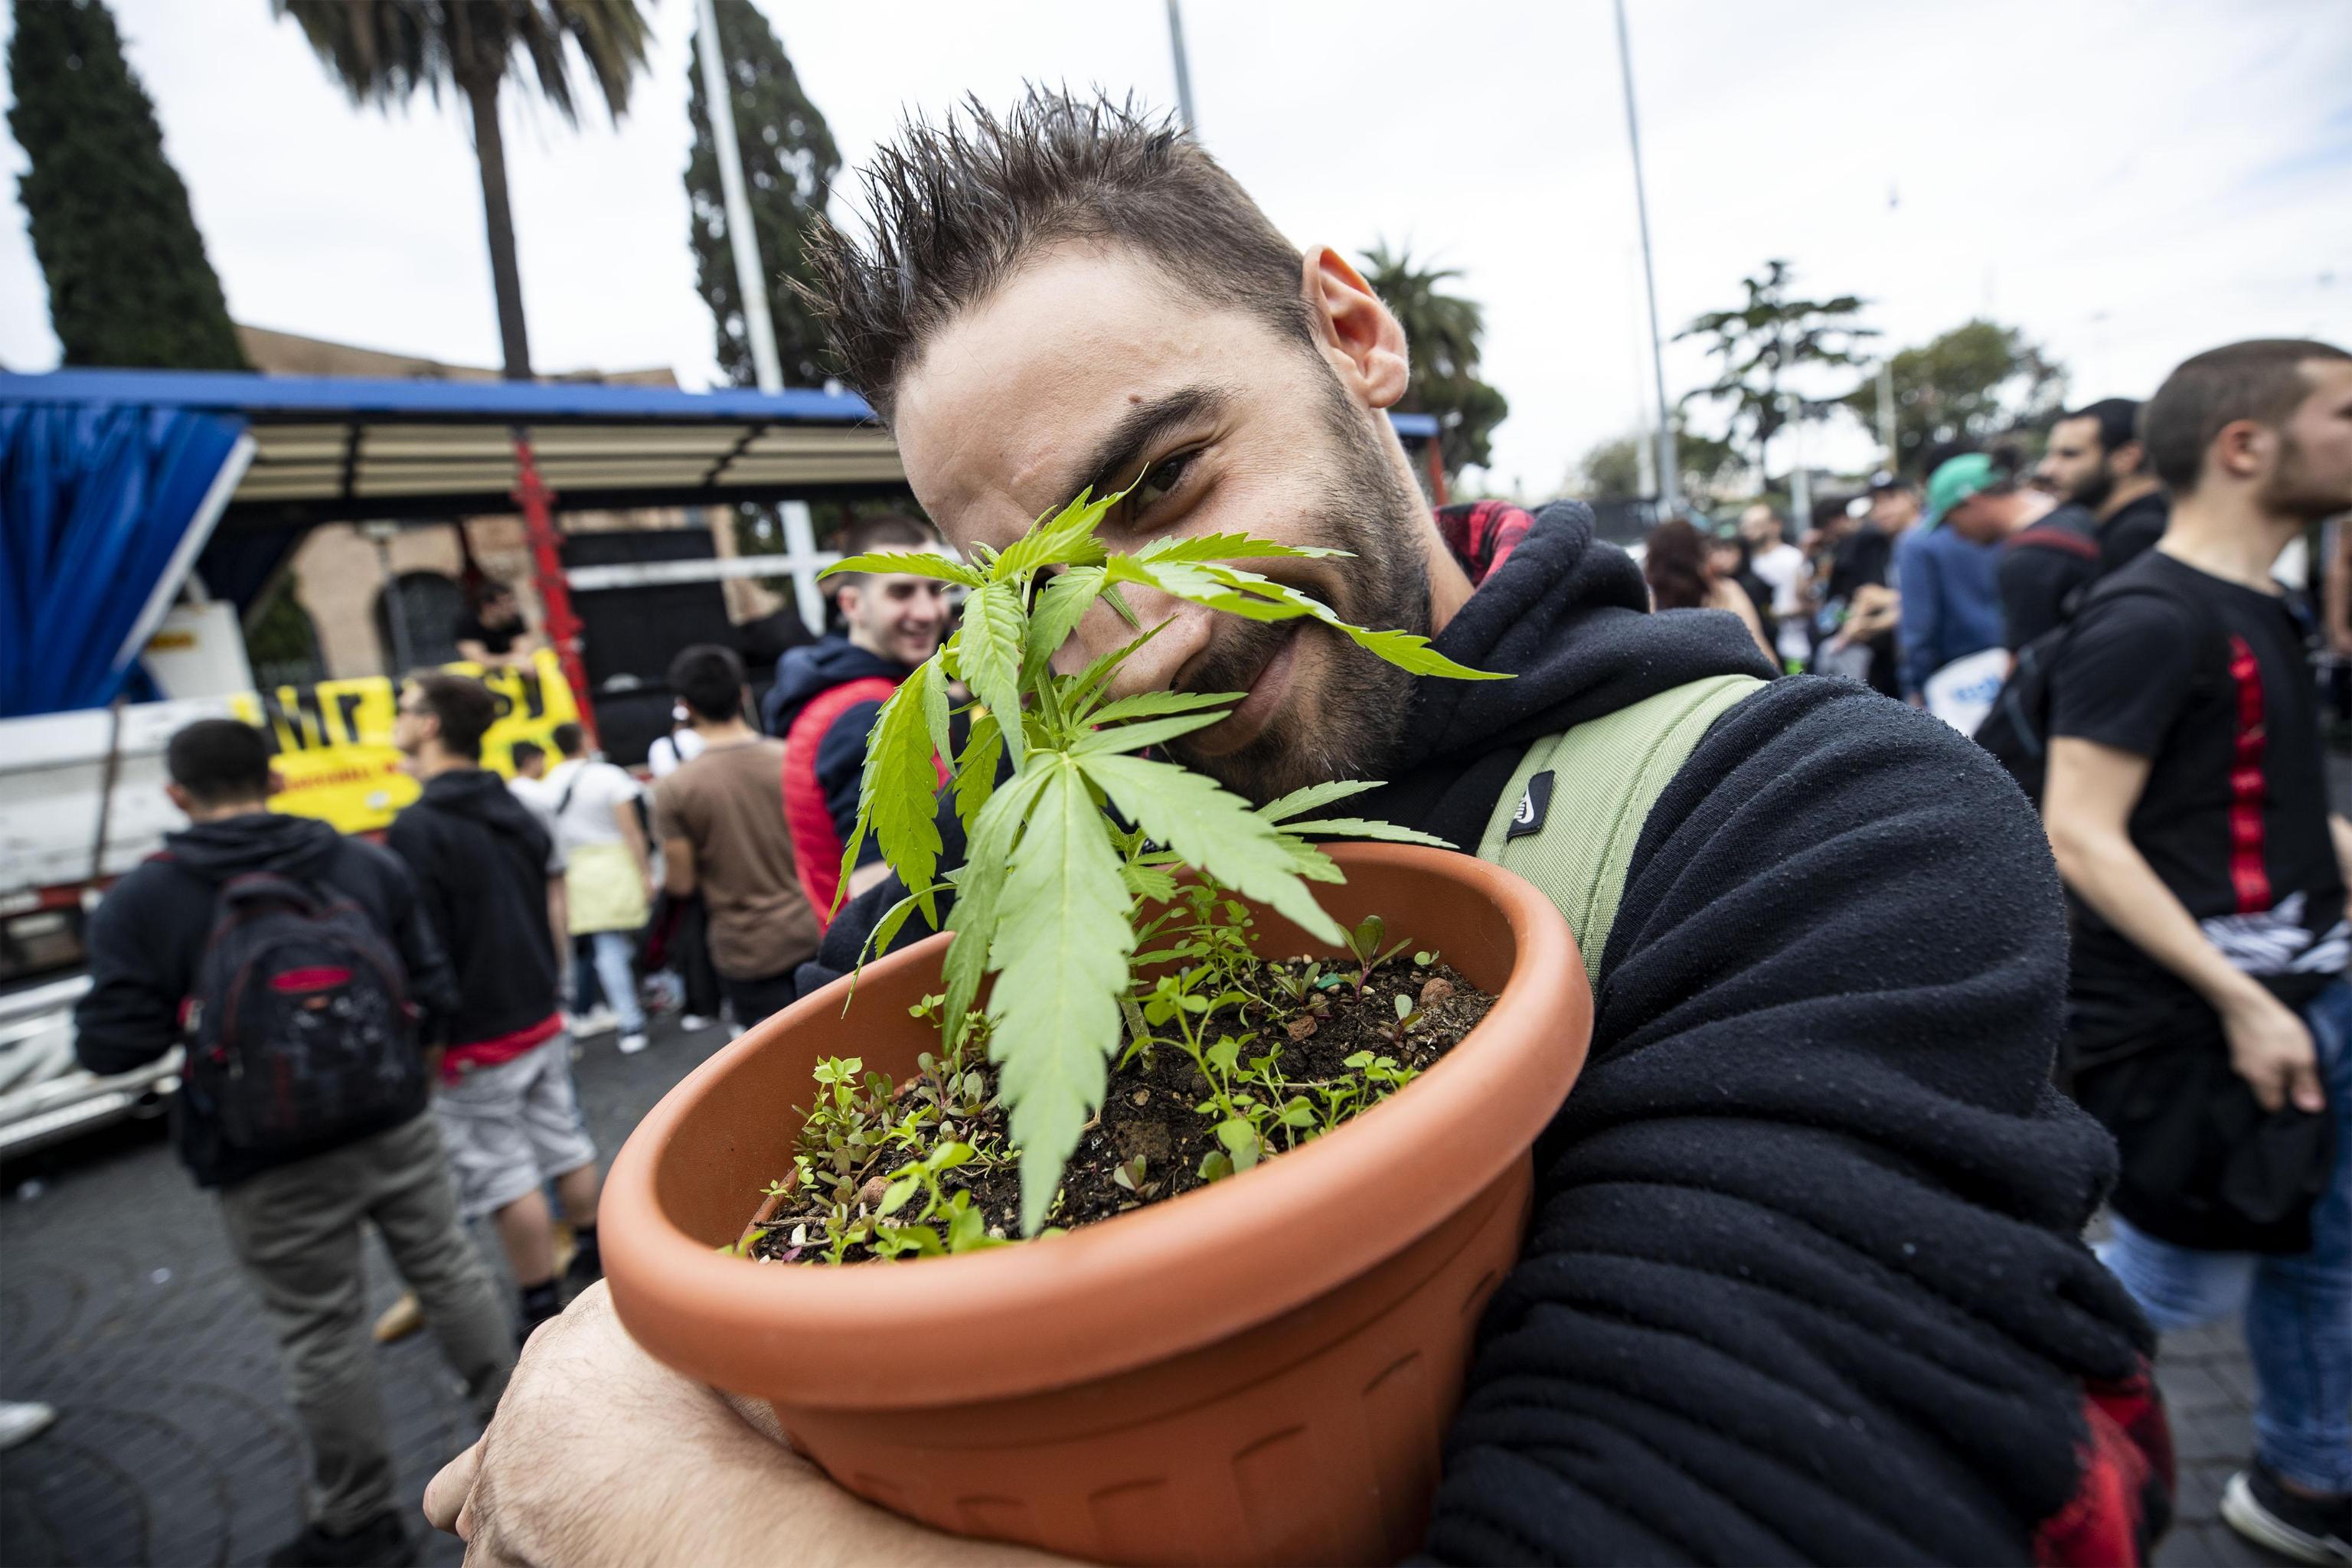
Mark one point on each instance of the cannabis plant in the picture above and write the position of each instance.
(1047, 896)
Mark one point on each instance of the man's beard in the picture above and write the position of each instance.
(2090, 493)
(1353, 727)
(2292, 491)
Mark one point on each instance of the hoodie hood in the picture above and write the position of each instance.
(807, 673)
(296, 847)
(1568, 617)
(483, 795)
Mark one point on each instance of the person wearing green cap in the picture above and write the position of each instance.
(1947, 572)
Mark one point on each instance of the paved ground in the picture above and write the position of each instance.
(119, 1304)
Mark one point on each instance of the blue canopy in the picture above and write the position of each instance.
(106, 508)
(116, 482)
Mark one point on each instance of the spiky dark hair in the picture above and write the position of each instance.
(953, 208)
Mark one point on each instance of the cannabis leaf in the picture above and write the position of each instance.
(978, 889)
(1212, 828)
(895, 791)
(913, 564)
(989, 650)
(1061, 606)
(1061, 950)
(1365, 827)
(1312, 796)
(1229, 547)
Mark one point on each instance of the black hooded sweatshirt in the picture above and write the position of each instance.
(1805, 1280)
(150, 931)
(481, 861)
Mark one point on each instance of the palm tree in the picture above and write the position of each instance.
(383, 50)
(1440, 333)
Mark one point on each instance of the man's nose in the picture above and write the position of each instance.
(1185, 629)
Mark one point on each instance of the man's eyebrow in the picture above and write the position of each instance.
(1120, 452)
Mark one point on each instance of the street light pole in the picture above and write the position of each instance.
(750, 282)
(720, 101)
(1669, 473)
(1183, 69)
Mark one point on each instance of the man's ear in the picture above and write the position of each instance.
(276, 782)
(179, 797)
(2242, 449)
(2130, 457)
(1355, 331)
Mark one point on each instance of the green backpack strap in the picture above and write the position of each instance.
(1569, 819)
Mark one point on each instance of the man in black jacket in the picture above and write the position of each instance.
(492, 876)
(294, 1216)
(1805, 1280)
(2112, 509)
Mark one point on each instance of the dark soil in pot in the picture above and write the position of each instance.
(1335, 1052)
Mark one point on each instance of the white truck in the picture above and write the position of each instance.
(81, 802)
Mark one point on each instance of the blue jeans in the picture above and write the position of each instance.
(613, 950)
(2298, 1309)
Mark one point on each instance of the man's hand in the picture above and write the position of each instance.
(1876, 608)
(2272, 1050)
(600, 1455)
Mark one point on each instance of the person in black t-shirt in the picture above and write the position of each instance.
(2113, 511)
(494, 634)
(2187, 805)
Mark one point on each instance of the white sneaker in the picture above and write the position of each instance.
(597, 1020)
(693, 1023)
(632, 1044)
(19, 1422)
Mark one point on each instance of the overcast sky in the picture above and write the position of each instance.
(2129, 182)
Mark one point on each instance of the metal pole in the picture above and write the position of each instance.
(395, 614)
(750, 280)
(1886, 410)
(1183, 69)
(1669, 471)
(1801, 479)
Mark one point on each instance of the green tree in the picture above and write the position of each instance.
(1442, 334)
(788, 164)
(1609, 470)
(382, 51)
(128, 282)
(1978, 380)
(1765, 340)
(1612, 469)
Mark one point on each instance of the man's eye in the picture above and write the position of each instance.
(1162, 479)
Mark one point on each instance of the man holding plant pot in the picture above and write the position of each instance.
(1805, 1279)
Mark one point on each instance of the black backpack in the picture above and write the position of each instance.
(2017, 731)
(299, 1033)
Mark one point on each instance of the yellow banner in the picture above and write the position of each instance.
(334, 739)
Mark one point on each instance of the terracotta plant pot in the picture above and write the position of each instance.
(1258, 1372)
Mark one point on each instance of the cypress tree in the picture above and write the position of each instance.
(788, 164)
(129, 281)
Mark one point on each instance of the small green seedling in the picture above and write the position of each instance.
(1364, 945)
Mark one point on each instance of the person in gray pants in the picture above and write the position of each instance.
(284, 954)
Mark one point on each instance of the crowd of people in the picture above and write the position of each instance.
(382, 1037)
(1807, 1278)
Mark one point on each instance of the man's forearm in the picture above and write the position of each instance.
(2107, 872)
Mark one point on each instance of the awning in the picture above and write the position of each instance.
(102, 510)
(331, 450)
